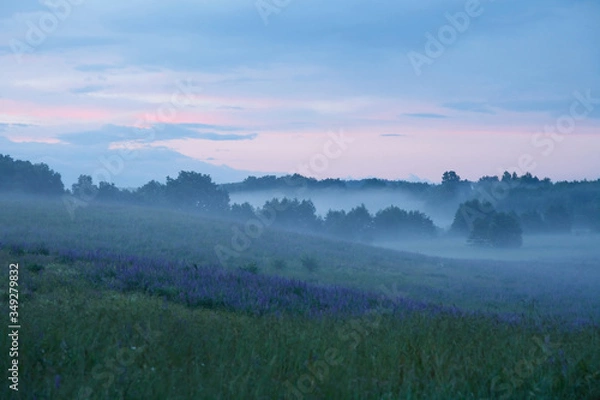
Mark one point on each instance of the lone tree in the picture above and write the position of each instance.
(466, 215)
(484, 226)
(500, 230)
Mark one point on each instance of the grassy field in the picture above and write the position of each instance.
(87, 335)
(566, 288)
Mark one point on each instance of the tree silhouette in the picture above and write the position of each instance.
(498, 229)
(450, 177)
(557, 219)
(23, 176)
(197, 191)
(467, 214)
(85, 188)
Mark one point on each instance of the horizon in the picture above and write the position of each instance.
(132, 92)
(162, 180)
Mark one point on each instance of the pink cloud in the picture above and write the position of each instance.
(19, 111)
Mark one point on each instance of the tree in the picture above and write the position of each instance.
(152, 192)
(466, 215)
(197, 191)
(395, 222)
(505, 231)
(360, 222)
(558, 219)
(23, 176)
(335, 224)
(85, 188)
(527, 178)
(109, 192)
(292, 214)
(532, 222)
(498, 229)
(243, 211)
(450, 177)
(595, 216)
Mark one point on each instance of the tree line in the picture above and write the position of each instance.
(494, 211)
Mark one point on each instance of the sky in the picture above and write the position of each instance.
(133, 91)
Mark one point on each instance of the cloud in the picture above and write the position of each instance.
(477, 107)
(316, 66)
(219, 137)
(425, 115)
(140, 167)
(5, 126)
(115, 133)
(106, 135)
(87, 89)
(392, 135)
(209, 126)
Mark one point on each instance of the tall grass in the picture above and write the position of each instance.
(113, 307)
(82, 340)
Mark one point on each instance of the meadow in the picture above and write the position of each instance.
(134, 303)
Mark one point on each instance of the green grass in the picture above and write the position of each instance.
(84, 342)
(193, 239)
(79, 341)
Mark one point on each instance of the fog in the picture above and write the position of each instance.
(554, 273)
(558, 273)
(559, 247)
(346, 199)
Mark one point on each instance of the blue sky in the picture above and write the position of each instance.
(138, 90)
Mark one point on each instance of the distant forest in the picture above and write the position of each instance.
(494, 211)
